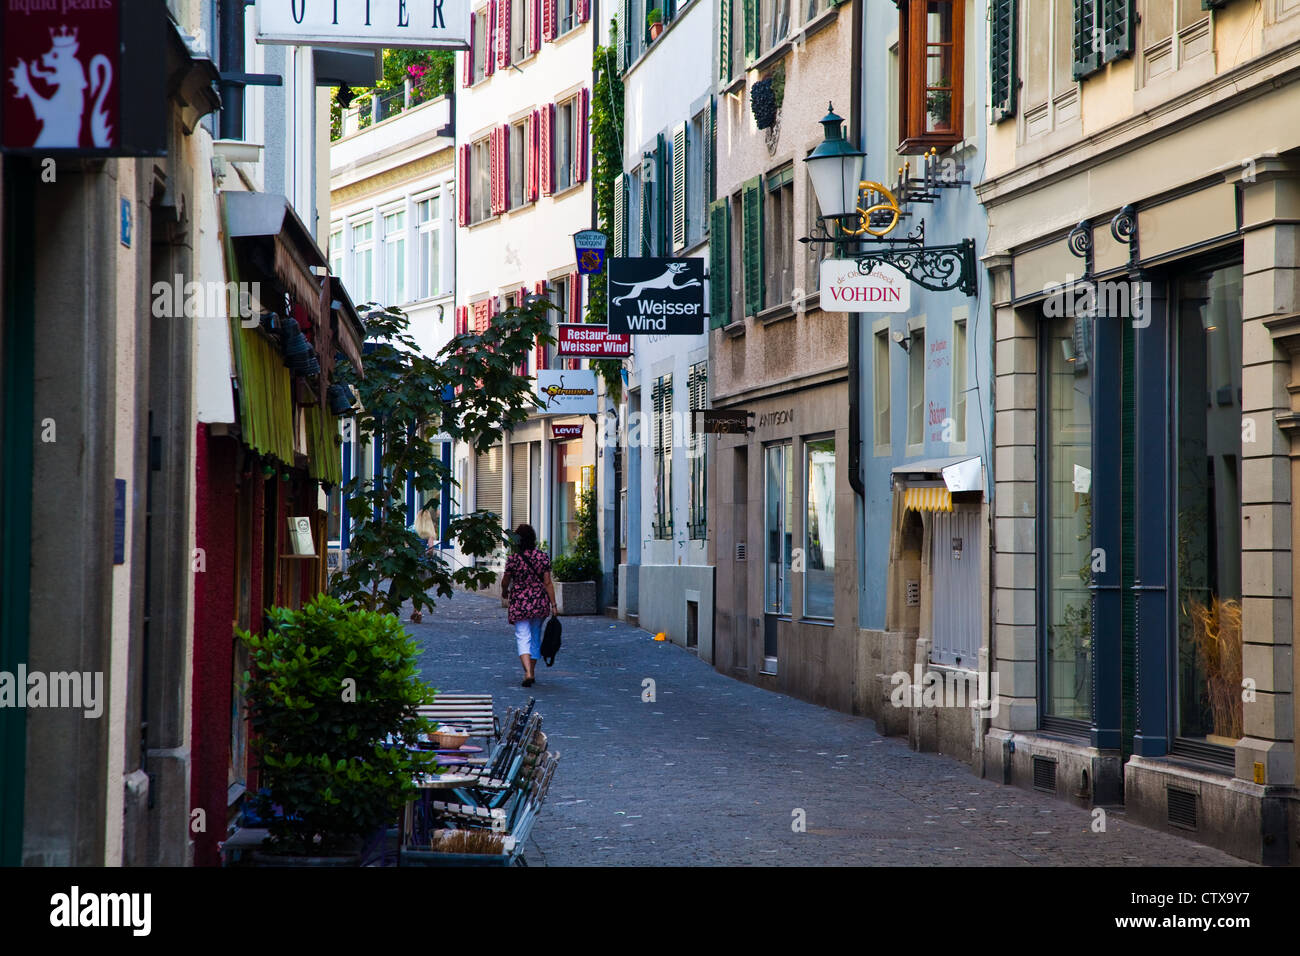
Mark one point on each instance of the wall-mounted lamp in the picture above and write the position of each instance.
(904, 342)
(345, 96)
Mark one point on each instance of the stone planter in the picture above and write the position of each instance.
(575, 597)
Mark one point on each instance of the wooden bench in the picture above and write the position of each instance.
(471, 711)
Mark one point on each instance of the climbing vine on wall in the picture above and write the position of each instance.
(606, 164)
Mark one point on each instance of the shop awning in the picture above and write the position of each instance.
(928, 498)
(351, 331)
(268, 222)
(962, 473)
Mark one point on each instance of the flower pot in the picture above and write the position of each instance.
(575, 597)
(655, 30)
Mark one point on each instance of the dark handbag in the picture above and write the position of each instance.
(551, 640)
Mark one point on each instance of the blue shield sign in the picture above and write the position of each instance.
(589, 249)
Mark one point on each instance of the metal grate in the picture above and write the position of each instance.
(740, 551)
(1044, 774)
(1182, 808)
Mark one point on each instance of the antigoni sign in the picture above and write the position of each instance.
(374, 24)
(845, 289)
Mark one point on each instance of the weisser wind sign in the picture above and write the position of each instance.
(372, 24)
(649, 296)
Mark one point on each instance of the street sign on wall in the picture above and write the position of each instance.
(650, 296)
(845, 289)
(586, 340)
(374, 24)
(566, 391)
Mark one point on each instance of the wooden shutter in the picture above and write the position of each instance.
(647, 197)
(467, 74)
(462, 186)
(580, 143)
(662, 212)
(575, 297)
(751, 31)
(710, 155)
(584, 11)
(724, 43)
(719, 263)
(518, 483)
(751, 199)
(531, 160)
(1003, 78)
(462, 319)
(679, 187)
(1087, 48)
(506, 133)
(503, 34)
(490, 48)
(624, 36)
(620, 216)
(494, 168)
(539, 358)
(1117, 16)
(547, 147)
(548, 20)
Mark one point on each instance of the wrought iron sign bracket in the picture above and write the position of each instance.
(937, 268)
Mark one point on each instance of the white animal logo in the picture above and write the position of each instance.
(666, 281)
(61, 112)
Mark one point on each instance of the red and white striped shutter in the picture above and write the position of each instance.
(584, 10)
(490, 49)
(575, 297)
(503, 34)
(505, 167)
(494, 195)
(535, 40)
(534, 161)
(545, 150)
(467, 74)
(548, 20)
(539, 358)
(580, 157)
(462, 187)
(462, 319)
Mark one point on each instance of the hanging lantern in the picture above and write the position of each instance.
(340, 399)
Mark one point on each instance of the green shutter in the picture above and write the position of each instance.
(620, 216)
(623, 38)
(661, 196)
(679, 187)
(1088, 39)
(1118, 19)
(710, 147)
(647, 196)
(724, 43)
(751, 31)
(1003, 79)
(719, 263)
(751, 200)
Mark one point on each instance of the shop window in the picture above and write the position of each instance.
(1208, 455)
(916, 391)
(778, 512)
(819, 529)
(931, 67)
(662, 403)
(1067, 443)
(568, 489)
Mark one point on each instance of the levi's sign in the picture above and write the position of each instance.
(373, 24)
(664, 296)
(845, 289)
(583, 340)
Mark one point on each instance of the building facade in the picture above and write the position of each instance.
(780, 496)
(523, 188)
(661, 200)
(1144, 282)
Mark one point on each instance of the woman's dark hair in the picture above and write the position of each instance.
(526, 537)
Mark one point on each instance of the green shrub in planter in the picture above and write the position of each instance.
(327, 685)
(582, 563)
(576, 567)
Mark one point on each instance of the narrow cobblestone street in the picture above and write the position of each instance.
(712, 771)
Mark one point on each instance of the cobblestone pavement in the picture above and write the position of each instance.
(712, 771)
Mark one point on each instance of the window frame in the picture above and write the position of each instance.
(432, 228)
(520, 140)
(395, 258)
(479, 51)
(958, 401)
(480, 178)
(914, 89)
(915, 407)
(566, 135)
(778, 237)
(882, 397)
(366, 247)
(808, 442)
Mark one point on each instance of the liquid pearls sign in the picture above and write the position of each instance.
(426, 24)
(845, 289)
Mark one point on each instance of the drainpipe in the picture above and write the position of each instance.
(855, 319)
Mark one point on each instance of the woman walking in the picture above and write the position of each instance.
(527, 584)
(426, 526)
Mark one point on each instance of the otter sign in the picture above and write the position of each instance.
(656, 296)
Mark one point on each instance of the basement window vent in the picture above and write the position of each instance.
(740, 551)
(1182, 808)
(1045, 774)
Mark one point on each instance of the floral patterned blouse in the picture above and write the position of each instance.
(528, 597)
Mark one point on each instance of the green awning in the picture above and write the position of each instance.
(324, 459)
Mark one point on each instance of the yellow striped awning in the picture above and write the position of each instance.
(933, 498)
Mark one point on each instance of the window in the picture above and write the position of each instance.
(959, 381)
(520, 137)
(429, 223)
(774, 23)
(520, 14)
(819, 530)
(1044, 89)
(880, 381)
(739, 263)
(363, 261)
(568, 494)
(566, 115)
(336, 249)
(1067, 440)
(1103, 31)
(814, 8)
(816, 252)
(720, 271)
(567, 13)
(697, 386)
(916, 389)
(480, 48)
(777, 536)
(662, 399)
(689, 146)
(480, 173)
(778, 239)
(931, 67)
(395, 257)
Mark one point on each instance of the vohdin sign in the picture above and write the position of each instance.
(845, 289)
(374, 24)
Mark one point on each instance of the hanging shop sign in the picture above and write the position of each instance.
(566, 431)
(846, 288)
(372, 24)
(583, 340)
(83, 79)
(656, 296)
(566, 391)
(589, 250)
(726, 421)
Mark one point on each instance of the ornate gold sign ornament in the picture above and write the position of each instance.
(866, 192)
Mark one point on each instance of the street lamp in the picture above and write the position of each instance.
(836, 170)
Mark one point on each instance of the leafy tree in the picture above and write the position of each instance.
(470, 391)
(606, 164)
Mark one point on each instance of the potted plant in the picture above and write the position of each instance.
(328, 689)
(575, 573)
(655, 20)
